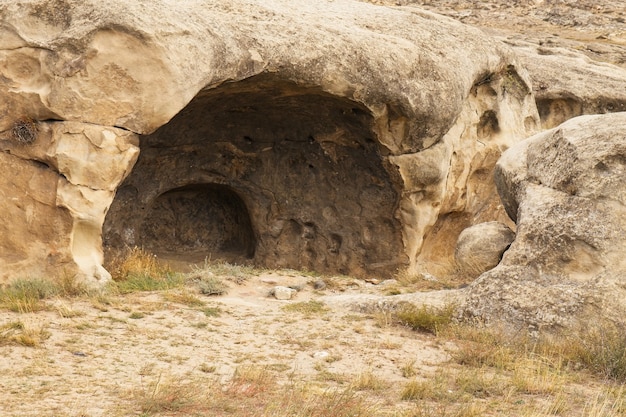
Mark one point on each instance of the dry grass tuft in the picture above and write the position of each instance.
(169, 394)
(251, 381)
(600, 348)
(139, 270)
(368, 381)
(308, 308)
(425, 319)
(222, 271)
(16, 333)
(184, 297)
(26, 295)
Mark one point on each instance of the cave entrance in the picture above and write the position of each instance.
(199, 220)
(303, 182)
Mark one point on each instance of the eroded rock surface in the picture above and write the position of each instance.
(56, 194)
(569, 84)
(480, 247)
(329, 135)
(566, 189)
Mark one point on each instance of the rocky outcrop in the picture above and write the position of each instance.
(58, 186)
(331, 135)
(565, 188)
(569, 84)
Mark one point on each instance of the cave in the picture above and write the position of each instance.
(268, 172)
(199, 218)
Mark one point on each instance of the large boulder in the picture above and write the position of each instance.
(479, 248)
(330, 135)
(565, 188)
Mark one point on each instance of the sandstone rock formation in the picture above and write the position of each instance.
(479, 248)
(565, 188)
(331, 135)
(569, 84)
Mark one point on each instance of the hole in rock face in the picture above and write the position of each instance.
(286, 175)
(553, 112)
(199, 218)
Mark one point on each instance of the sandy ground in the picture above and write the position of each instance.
(100, 351)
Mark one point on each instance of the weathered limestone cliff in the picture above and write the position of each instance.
(331, 135)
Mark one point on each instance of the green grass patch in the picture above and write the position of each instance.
(307, 308)
(26, 295)
(425, 319)
(149, 282)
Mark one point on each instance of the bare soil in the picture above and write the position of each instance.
(102, 351)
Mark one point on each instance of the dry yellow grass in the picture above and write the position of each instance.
(181, 345)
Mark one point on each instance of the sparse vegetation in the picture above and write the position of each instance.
(184, 297)
(308, 308)
(425, 319)
(139, 270)
(26, 295)
(487, 369)
(17, 333)
(210, 285)
(222, 270)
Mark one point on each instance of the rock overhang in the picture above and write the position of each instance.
(135, 66)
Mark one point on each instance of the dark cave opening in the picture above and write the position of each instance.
(199, 218)
(313, 188)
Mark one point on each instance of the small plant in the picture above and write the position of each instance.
(408, 369)
(25, 295)
(24, 130)
(418, 390)
(212, 311)
(66, 311)
(139, 270)
(307, 308)
(171, 394)
(210, 285)
(69, 286)
(222, 270)
(16, 333)
(184, 297)
(367, 381)
(250, 381)
(425, 319)
(135, 315)
(207, 369)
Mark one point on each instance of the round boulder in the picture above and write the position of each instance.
(480, 247)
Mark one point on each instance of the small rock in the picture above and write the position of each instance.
(283, 293)
(388, 282)
(321, 354)
(319, 284)
(429, 277)
(372, 281)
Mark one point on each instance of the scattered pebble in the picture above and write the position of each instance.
(322, 354)
(283, 293)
